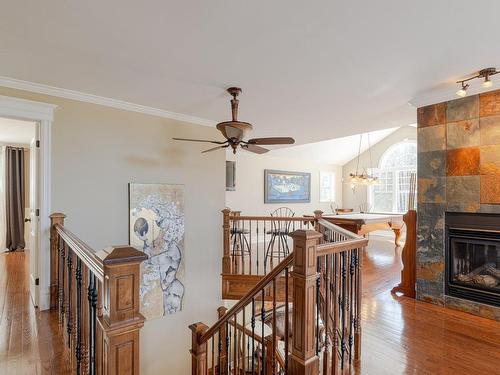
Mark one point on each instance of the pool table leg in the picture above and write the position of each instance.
(397, 235)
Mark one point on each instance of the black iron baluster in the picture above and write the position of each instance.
(357, 291)
(219, 350)
(212, 362)
(262, 318)
(351, 301)
(69, 324)
(257, 251)
(250, 250)
(342, 309)
(78, 348)
(318, 284)
(228, 352)
(62, 260)
(286, 320)
(253, 335)
(264, 249)
(235, 344)
(92, 298)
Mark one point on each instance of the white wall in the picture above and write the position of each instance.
(96, 152)
(353, 199)
(249, 194)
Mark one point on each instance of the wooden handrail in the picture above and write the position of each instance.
(340, 230)
(248, 298)
(267, 218)
(338, 247)
(82, 251)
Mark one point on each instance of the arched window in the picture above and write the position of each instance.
(395, 168)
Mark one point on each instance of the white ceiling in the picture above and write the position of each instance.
(312, 70)
(334, 151)
(16, 132)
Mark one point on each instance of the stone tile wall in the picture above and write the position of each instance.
(458, 170)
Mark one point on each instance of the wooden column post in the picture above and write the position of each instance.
(303, 359)
(226, 258)
(408, 257)
(55, 218)
(198, 351)
(121, 320)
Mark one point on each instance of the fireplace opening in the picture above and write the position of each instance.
(473, 257)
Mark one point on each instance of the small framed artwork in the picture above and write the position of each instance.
(286, 187)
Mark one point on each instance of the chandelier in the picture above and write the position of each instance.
(363, 178)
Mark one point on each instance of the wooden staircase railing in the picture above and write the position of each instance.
(316, 313)
(96, 295)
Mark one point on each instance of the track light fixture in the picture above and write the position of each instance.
(483, 73)
(463, 91)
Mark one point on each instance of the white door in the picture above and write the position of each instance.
(34, 219)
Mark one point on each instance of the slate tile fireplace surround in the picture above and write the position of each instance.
(459, 176)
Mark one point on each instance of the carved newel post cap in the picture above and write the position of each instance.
(121, 254)
(57, 215)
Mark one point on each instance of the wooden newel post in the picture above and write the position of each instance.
(55, 218)
(303, 359)
(121, 320)
(198, 351)
(317, 215)
(409, 257)
(226, 258)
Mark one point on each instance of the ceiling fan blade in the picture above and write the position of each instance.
(272, 141)
(214, 148)
(255, 149)
(199, 140)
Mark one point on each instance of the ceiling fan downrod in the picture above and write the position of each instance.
(234, 92)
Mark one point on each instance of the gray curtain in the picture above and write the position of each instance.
(14, 197)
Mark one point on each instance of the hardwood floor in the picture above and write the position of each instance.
(404, 336)
(29, 339)
(400, 335)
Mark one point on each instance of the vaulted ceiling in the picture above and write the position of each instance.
(314, 70)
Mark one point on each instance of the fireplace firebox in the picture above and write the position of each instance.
(473, 256)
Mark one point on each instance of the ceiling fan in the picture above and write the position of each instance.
(234, 131)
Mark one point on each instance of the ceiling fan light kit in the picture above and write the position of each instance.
(235, 131)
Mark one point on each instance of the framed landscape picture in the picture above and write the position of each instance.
(156, 225)
(286, 187)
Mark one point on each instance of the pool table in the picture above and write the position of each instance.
(363, 223)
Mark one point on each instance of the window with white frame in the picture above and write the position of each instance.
(396, 166)
(326, 186)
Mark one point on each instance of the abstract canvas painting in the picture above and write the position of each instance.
(287, 187)
(157, 229)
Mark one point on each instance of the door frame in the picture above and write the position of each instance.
(43, 114)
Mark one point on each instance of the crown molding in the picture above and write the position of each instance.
(39, 88)
(449, 93)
